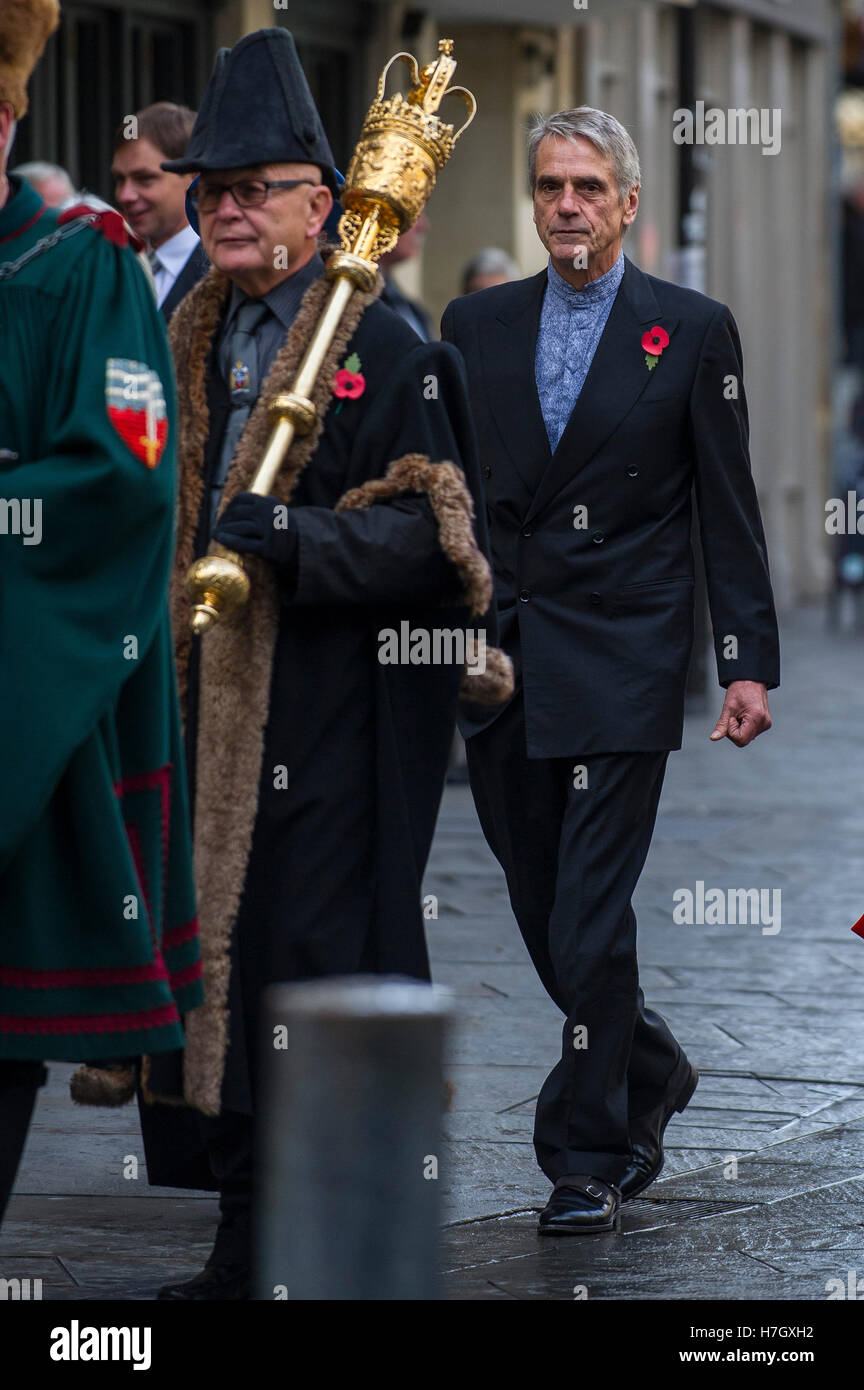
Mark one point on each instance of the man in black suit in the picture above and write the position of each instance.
(154, 202)
(601, 396)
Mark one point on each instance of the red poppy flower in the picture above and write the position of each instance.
(655, 340)
(349, 384)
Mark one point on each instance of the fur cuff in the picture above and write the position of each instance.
(493, 686)
(444, 485)
(103, 1085)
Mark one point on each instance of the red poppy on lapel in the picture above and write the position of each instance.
(654, 340)
(859, 927)
(349, 381)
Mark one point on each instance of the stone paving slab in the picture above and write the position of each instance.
(783, 1248)
(106, 1247)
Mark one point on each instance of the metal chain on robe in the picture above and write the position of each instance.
(9, 268)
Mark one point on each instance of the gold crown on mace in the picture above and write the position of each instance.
(414, 115)
(404, 143)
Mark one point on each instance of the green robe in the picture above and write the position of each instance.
(99, 952)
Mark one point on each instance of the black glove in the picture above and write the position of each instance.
(261, 526)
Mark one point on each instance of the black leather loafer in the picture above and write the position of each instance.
(646, 1163)
(217, 1283)
(580, 1205)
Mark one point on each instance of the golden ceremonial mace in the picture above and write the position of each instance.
(402, 147)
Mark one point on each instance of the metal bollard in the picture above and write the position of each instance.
(349, 1134)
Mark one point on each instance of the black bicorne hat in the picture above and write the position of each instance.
(257, 109)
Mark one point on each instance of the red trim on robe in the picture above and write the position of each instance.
(145, 781)
(178, 936)
(19, 978)
(15, 977)
(187, 976)
(27, 225)
(91, 1023)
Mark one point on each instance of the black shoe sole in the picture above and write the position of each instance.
(613, 1225)
(682, 1100)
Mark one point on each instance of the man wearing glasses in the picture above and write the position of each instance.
(316, 766)
(258, 227)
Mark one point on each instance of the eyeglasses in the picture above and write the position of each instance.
(247, 193)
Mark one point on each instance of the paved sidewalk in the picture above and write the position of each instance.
(762, 1196)
(763, 1192)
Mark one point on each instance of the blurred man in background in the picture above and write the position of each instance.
(489, 267)
(154, 202)
(409, 245)
(52, 183)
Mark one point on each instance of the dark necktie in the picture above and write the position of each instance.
(243, 386)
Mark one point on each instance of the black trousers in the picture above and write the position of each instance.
(229, 1138)
(19, 1084)
(572, 855)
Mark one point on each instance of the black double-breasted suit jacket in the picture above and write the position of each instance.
(592, 555)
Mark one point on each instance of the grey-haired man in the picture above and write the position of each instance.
(601, 396)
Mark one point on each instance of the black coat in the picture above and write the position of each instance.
(343, 829)
(342, 836)
(195, 268)
(599, 620)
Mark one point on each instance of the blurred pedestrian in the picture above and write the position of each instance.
(408, 245)
(50, 181)
(489, 267)
(154, 202)
(853, 278)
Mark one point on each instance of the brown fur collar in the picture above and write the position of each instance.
(453, 505)
(236, 657)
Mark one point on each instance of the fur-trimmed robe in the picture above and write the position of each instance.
(317, 770)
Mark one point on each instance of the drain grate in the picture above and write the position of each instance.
(683, 1209)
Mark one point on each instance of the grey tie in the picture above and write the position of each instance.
(243, 385)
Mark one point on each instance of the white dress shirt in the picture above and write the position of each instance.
(169, 259)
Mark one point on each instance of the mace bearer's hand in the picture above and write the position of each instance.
(254, 525)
